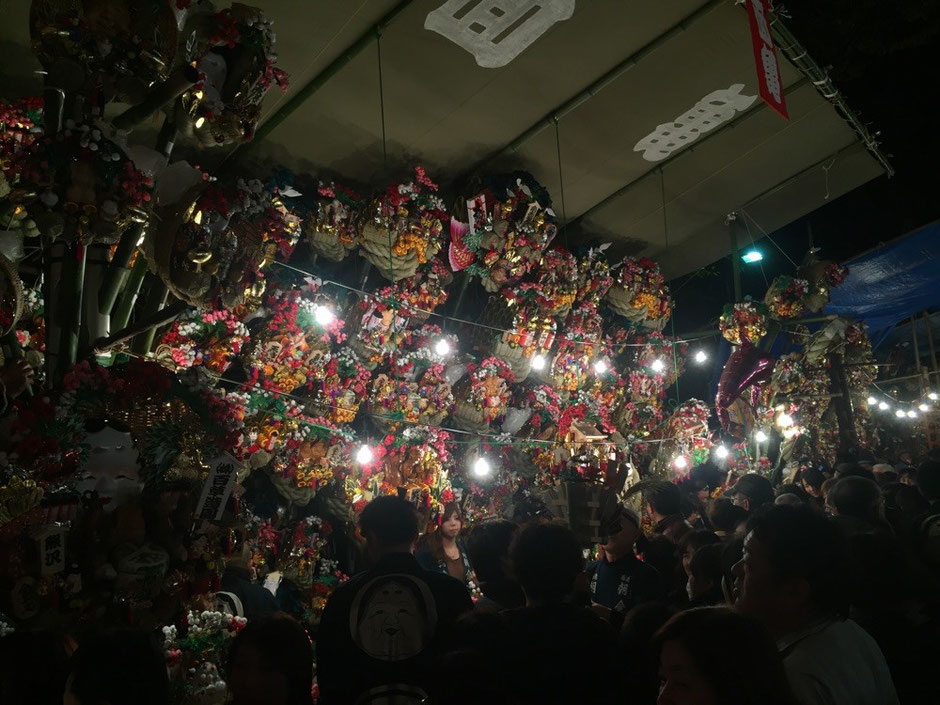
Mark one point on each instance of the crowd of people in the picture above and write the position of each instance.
(820, 591)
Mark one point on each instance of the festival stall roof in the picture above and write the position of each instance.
(570, 108)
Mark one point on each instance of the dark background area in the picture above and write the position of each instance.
(882, 58)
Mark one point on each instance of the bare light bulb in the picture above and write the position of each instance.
(481, 467)
(899, 413)
(701, 356)
(784, 420)
(932, 396)
(924, 407)
(442, 347)
(912, 414)
(658, 366)
(760, 436)
(323, 315)
(200, 121)
(538, 362)
(600, 367)
(721, 452)
(872, 401)
(680, 463)
(883, 406)
(364, 455)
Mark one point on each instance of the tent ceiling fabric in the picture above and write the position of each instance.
(447, 113)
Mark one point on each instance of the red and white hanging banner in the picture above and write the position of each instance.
(765, 56)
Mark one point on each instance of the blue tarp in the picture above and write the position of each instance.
(892, 282)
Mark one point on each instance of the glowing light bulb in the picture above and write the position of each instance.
(364, 455)
(932, 396)
(600, 367)
(658, 366)
(721, 452)
(784, 420)
(899, 413)
(481, 467)
(883, 406)
(680, 463)
(701, 356)
(323, 315)
(924, 407)
(760, 436)
(442, 347)
(538, 362)
(872, 401)
(912, 414)
(200, 122)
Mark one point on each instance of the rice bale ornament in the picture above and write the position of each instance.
(418, 295)
(415, 467)
(503, 229)
(575, 350)
(744, 322)
(821, 276)
(344, 384)
(786, 297)
(317, 458)
(402, 228)
(594, 276)
(233, 50)
(483, 395)
(524, 327)
(117, 49)
(640, 294)
(217, 241)
(375, 327)
(332, 228)
(558, 278)
(426, 401)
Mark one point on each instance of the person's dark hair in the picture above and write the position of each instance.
(802, 543)
(546, 561)
(792, 488)
(694, 540)
(707, 475)
(391, 520)
(905, 501)
(706, 563)
(812, 477)
(725, 515)
(284, 647)
(433, 539)
(636, 636)
(120, 668)
(734, 653)
(488, 549)
(856, 497)
(731, 553)
(664, 497)
(928, 479)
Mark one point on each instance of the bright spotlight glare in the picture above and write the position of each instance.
(883, 406)
(538, 362)
(323, 315)
(481, 468)
(701, 356)
(760, 436)
(364, 455)
(924, 407)
(784, 420)
(442, 347)
(872, 401)
(721, 452)
(752, 256)
(932, 396)
(680, 462)
(912, 414)
(600, 367)
(658, 366)
(899, 413)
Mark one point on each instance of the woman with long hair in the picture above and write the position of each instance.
(714, 656)
(442, 550)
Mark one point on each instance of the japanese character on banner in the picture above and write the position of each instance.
(496, 31)
(218, 487)
(51, 541)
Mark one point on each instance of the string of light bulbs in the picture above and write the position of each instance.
(903, 409)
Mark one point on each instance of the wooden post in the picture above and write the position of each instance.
(935, 372)
(842, 402)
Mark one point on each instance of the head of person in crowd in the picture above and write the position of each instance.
(639, 663)
(623, 531)
(704, 571)
(661, 500)
(713, 656)
(856, 498)
(794, 569)
(117, 668)
(884, 473)
(34, 666)
(812, 481)
(827, 488)
(751, 492)
(693, 541)
(270, 662)
(546, 561)
(903, 504)
(726, 517)
(907, 475)
(488, 549)
(389, 525)
(928, 480)
(447, 532)
(793, 488)
(854, 470)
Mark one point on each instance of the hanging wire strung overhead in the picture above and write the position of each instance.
(378, 52)
(561, 185)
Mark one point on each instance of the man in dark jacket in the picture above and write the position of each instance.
(382, 633)
(662, 502)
